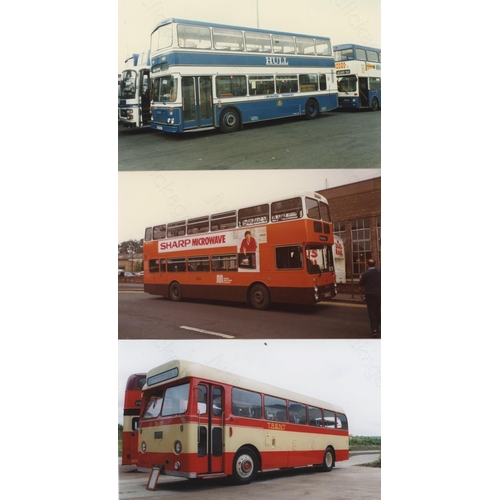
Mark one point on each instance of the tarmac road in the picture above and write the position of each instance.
(339, 139)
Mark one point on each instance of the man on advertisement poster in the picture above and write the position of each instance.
(248, 248)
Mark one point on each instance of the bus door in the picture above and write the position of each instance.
(363, 91)
(145, 98)
(197, 101)
(210, 427)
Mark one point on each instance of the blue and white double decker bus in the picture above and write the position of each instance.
(358, 71)
(134, 92)
(207, 76)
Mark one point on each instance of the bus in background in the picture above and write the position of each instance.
(358, 70)
(131, 412)
(278, 251)
(209, 76)
(131, 61)
(198, 421)
(339, 259)
(134, 93)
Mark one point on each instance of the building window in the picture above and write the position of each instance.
(361, 245)
(339, 230)
(379, 238)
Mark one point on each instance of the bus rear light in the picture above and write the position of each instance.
(230, 432)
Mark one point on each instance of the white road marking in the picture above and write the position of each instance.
(223, 335)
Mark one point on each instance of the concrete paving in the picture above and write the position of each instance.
(346, 481)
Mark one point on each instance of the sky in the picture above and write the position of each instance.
(343, 21)
(343, 372)
(151, 198)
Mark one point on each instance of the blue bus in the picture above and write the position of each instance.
(207, 76)
(134, 92)
(358, 71)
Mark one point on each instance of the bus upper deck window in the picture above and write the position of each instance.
(194, 37)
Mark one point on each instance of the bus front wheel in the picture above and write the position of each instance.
(229, 120)
(328, 460)
(312, 109)
(375, 105)
(259, 297)
(175, 292)
(245, 466)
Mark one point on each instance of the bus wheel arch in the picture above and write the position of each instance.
(329, 459)
(229, 120)
(259, 296)
(245, 465)
(175, 291)
(375, 105)
(312, 109)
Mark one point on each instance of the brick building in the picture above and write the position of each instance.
(356, 213)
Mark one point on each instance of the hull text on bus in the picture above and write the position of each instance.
(276, 61)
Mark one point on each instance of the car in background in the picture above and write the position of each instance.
(129, 275)
(140, 273)
(121, 272)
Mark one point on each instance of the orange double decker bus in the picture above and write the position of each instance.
(131, 412)
(279, 251)
(198, 421)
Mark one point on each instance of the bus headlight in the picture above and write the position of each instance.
(316, 296)
(177, 447)
(177, 465)
(315, 289)
(143, 446)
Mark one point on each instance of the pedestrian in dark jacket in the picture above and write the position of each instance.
(371, 281)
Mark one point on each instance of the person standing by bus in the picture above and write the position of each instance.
(371, 281)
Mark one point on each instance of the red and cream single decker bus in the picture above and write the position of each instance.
(278, 251)
(198, 421)
(131, 412)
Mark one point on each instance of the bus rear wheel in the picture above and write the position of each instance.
(259, 297)
(245, 466)
(229, 120)
(375, 105)
(175, 292)
(328, 460)
(312, 109)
